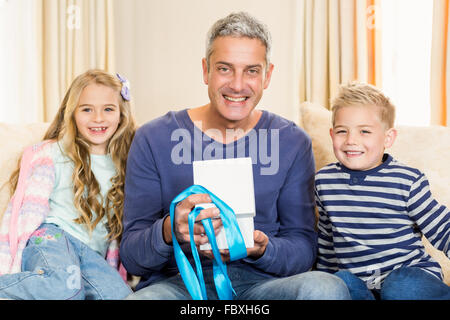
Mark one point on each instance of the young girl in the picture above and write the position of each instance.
(66, 211)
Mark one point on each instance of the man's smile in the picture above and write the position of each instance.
(235, 99)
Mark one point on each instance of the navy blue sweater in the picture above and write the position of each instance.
(160, 167)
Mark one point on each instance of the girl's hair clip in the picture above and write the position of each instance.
(125, 92)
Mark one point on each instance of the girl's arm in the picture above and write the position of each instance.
(29, 205)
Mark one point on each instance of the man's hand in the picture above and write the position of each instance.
(260, 244)
(181, 225)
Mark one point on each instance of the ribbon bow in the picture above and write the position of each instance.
(125, 91)
(195, 284)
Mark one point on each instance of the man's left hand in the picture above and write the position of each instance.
(260, 243)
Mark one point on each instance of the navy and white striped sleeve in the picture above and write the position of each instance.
(326, 260)
(432, 218)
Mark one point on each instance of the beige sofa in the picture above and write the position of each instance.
(426, 148)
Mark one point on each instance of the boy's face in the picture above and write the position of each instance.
(359, 137)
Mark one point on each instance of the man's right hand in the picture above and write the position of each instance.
(181, 226)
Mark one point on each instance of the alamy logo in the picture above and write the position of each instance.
(374, 280)
(73, 17)
(74, 280)
(261, 145)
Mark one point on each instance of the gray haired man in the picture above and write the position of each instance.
(237, 70)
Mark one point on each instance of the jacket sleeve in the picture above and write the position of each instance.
(28, 206)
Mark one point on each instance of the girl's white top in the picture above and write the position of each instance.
(62, 210)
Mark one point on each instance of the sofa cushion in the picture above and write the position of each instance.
(14, 139)
(424, 148)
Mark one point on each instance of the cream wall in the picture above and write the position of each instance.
(160, 44)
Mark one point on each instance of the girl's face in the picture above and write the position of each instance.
(97, 116)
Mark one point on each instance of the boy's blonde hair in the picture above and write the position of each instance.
(362, 94)
(86, 189)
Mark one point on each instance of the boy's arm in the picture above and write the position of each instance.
(432, 218)
(326, 260)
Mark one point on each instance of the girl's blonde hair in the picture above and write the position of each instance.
(362, 94)
(87, 196)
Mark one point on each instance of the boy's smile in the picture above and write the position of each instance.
(360, 137)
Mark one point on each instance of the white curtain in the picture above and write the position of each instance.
(45, 44)
(339, 45)
(77, 35)
(20, 81)
(440, 64)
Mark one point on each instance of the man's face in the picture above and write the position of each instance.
(237, 76)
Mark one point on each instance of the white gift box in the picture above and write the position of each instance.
(232, 181)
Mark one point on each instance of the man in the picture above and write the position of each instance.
(236, 69)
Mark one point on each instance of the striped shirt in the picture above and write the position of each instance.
(371, 222)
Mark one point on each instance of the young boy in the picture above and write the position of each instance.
(373, 209)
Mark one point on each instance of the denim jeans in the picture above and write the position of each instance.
(406, 283)
(311, 285)
(56, 265)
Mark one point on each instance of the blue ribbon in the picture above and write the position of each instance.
(195, 283)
